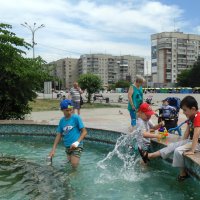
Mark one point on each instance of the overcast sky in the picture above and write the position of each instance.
(117, 27)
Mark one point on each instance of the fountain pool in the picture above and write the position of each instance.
(101, 175)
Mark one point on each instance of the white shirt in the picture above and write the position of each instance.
(142, 127)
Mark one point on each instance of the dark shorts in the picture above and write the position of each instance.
(76, 152)
(76, 104)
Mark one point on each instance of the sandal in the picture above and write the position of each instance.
(143, 154)
(182, 178)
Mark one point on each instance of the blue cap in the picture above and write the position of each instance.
(66, 104)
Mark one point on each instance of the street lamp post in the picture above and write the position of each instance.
(33, 29)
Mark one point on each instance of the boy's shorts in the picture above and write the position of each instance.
(76, 152)
(76, 104)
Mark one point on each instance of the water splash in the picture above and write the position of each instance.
(121, 163)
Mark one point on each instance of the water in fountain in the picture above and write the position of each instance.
(20, 179)
(123, 162)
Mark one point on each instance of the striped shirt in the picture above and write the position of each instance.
(75, 94)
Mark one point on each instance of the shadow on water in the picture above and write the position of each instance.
(25, 180)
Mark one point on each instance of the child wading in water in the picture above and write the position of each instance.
(143, 126)
(190, 142)
(72, 130)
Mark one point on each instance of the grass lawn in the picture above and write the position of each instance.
(54, 104)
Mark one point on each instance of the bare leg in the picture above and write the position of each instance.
(74, 161)
(154, 155)
(183, 172)
(79, 111)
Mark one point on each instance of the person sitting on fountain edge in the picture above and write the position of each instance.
(73, 131)
(144, 126)
(188, 145)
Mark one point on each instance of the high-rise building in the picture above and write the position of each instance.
(111, 68)
(95, 64)
(108, 67)
(66, 70)
(171, 53)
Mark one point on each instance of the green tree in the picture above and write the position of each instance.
(111, 87)
(190, 77)
(92, 83)
(182, 79)
(20, 77)
(195, 74)
(122, 84)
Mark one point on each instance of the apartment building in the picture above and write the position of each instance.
(95, 64)
(171, 53)
(108, 67)
(66, 70)
(111, 68)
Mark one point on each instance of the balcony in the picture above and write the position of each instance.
(168, 78)
(164, 46)
(169, 66)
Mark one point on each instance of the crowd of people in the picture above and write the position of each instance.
(73, 131)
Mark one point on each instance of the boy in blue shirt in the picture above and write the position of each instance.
(73, 131)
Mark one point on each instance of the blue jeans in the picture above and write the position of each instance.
(133, 117)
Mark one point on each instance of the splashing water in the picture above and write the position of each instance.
(122, 162)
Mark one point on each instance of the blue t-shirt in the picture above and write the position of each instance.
(70, 129)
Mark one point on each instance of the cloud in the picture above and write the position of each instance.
(78, 27)
(196, 30)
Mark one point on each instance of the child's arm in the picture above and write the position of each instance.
(158, 125)
(172, 108)
(150, 135)
(56, 141)
(157, 109)
(194, 141)
(187, 132)
(82, 136)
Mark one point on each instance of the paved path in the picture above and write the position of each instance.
(109, 118)
(101, 118)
